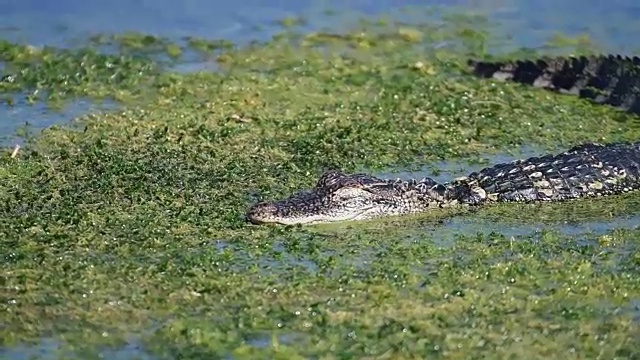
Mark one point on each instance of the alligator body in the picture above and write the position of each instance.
(587, 170)
(604, 79)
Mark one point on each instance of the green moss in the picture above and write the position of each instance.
(58, 74)
(135, 225)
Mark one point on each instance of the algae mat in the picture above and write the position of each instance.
(124, 236)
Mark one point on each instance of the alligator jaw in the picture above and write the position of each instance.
(268, 213)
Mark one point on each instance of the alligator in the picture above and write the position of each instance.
(586, 170)
(603, 79)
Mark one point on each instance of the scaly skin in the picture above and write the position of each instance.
(587, 170)
(604, 79)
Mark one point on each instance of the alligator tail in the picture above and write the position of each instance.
(604, 79)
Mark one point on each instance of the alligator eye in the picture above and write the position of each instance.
(345, 197)
(350, 194)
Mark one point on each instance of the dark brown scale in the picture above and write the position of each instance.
(604, 79)
(583, 171)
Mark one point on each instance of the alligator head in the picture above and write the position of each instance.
(341, 197)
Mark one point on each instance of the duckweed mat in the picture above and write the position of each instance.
(123, 234)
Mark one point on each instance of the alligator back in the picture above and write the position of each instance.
(587, 170)
(604, 79)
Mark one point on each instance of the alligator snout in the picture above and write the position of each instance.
(262, 213)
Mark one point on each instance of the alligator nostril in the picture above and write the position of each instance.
(260, 212)
(267, 208)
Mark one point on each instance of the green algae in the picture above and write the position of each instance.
(134, 226)
(55, 75)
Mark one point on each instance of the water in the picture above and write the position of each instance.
(51, 349)
(447, 170)
(446, 234)
(32, 118)
(40, 22)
